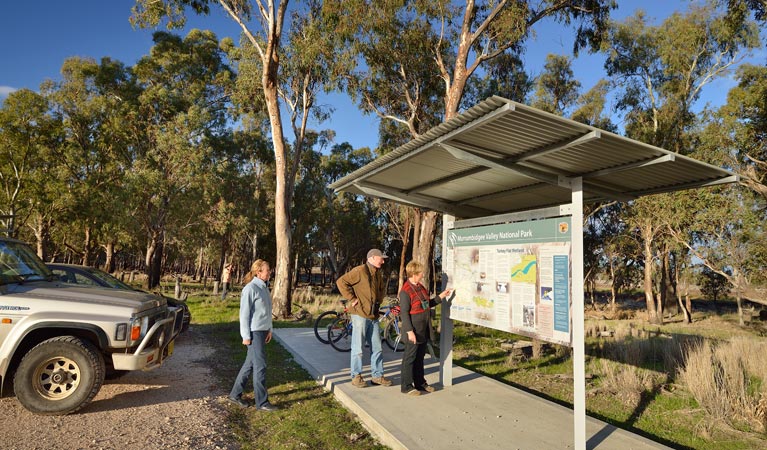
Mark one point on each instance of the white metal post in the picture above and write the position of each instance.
(445, 323)
(579, 353)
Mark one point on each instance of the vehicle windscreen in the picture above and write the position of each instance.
(18, 263)
(110, 280)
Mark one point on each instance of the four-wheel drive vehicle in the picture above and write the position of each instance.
(57, 341)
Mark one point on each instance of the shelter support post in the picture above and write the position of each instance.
(579, 354)
(445, 323)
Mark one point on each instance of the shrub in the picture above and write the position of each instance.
(713, 285)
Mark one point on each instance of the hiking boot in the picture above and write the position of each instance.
(412, 392)
(359, 382)
(428, 388)
(238, 401)
(380, 381)
(268, 407)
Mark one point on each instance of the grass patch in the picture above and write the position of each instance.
(309, 417)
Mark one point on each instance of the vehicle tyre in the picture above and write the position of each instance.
(322, 331)
(393, 338)
(59, 376)
(340, 334)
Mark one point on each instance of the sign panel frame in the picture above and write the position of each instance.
(513, 276)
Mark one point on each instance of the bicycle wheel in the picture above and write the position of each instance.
(393, 336)
(322, 324)
(340, 334)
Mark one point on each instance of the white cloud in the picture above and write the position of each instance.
(5, 90)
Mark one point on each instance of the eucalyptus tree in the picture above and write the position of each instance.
(92, 100)
(398, 84)
(236, 186)
(556, 89)
(342, 226)
(307, 194)
(288, 74)
(726, 232)
(663, 69)
(740, 127)
(739, 9)
(181, 109)
(457, 40)
(590, 107)
(735, 137)
(29, 133)
(615, 246)
(504, 76)
(661, 72)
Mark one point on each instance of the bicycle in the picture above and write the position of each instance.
(392, 333)
(340, 333)
(331, 315)
(340, 330)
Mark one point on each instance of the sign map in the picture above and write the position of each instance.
(513, 277)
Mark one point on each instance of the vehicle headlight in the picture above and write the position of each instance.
(139, 327)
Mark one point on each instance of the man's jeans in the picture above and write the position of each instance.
(255, 363)
(366, 330)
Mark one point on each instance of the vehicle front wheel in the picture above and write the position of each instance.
(59, 376)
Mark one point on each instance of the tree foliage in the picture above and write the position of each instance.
(556, 89)
(29, 134)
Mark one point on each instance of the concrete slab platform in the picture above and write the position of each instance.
(475, 413)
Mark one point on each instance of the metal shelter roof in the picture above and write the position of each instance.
(502, 156)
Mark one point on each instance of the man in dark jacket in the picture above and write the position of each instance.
(364, 288)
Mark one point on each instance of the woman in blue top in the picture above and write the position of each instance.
(256, 332)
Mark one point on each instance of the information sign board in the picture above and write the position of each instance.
(514, 277)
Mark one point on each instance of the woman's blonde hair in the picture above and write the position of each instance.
(254, 269)
(413, 268)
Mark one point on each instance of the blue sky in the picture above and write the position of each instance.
(36, 38)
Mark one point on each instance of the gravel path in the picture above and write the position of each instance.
(177, 406)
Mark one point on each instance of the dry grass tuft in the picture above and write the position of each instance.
(623, 331)
(728, 380)
(661, 353)
(629, 367)
(627, 382)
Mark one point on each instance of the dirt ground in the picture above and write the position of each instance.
(177, 406)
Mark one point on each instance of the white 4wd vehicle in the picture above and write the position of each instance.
(57, 341)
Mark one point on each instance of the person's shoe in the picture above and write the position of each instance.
(428, 388)
(380, 381)
(237, 401)
(359, 382)
(268, 407)
(412, 392)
